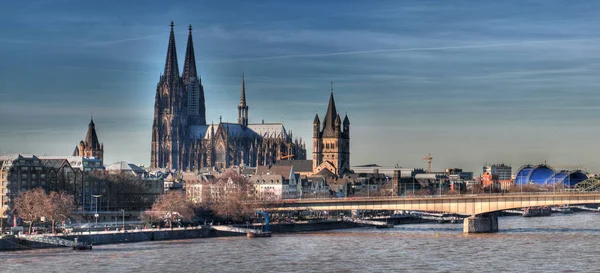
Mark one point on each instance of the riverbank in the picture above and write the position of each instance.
(117, 237)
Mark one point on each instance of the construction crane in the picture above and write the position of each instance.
(287, 156)
(428, 158)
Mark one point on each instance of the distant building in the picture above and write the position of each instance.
(504, 172)
(276, 182)
(124, 167)
(90, 147)
(19, 173)
(331, 142)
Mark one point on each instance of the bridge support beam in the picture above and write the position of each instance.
(485, 223)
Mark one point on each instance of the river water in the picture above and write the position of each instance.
(560, 243)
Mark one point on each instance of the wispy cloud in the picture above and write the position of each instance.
(442, 48)
(124, 40)
(103, 69)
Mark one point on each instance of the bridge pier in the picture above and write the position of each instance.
(483, 223)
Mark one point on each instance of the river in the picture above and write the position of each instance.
(560, 243)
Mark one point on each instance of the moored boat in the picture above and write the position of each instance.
(536, 212)
(258, 234)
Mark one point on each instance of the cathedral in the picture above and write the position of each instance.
(182, 139)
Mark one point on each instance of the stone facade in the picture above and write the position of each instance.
(182, 140)
(331, 142)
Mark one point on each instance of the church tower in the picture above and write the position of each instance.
(331, 142)
(193, 86)
(170, 115)
(243, 108)
(90, 147)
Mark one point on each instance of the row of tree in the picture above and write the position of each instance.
(36, 205)
(231, 198)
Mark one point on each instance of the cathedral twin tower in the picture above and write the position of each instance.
(181, 138)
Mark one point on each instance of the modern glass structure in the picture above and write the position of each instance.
(543, 175)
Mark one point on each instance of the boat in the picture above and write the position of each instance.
(563, 210)
(77, 245)
(536, 212)
(258, 234)
(82, 246)
(385, 226)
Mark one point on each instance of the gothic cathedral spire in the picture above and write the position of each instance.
(243, 107)
(189, 67)
(171, 66)
(194, 91)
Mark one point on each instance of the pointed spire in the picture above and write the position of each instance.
(243, 95)
(346, 120)
(189, 67)
(317, 120)
(171, 66)
(91, 139)
(329, 120)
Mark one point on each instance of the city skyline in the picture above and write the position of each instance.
(469, 84)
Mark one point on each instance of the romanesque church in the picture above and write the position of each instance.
(181, 138)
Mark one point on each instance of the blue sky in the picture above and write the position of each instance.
(468, 81)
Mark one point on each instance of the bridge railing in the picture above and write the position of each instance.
(437, 196)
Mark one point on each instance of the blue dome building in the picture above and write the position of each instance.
(543, 175)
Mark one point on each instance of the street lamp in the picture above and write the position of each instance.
(123, 219)
(96, 215)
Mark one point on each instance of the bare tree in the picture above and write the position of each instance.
(31, 205)
(232, 197)
(171, 206)
(60, 207)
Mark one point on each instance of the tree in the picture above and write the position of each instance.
(232, 197)
(31, 205)
(171, 206)
(60, 207)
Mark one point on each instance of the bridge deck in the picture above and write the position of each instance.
(461, 204)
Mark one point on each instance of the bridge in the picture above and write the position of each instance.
(480, 207)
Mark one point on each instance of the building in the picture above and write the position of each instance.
(331, 141)
(182, 139)
(19, 173)
(90, 147)
(276, 182)
(546, 175)
(500, 173)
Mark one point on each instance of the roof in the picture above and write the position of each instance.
(325, 172)
(367, 166)
(329, 120)
(267, 179)
(54, 163)
(74, 161)
(124, 166)
(202, 131)
(300, 166)
(284, 171)
(264, 130)
(268, 130)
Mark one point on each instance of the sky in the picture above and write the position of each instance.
(471, 82)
